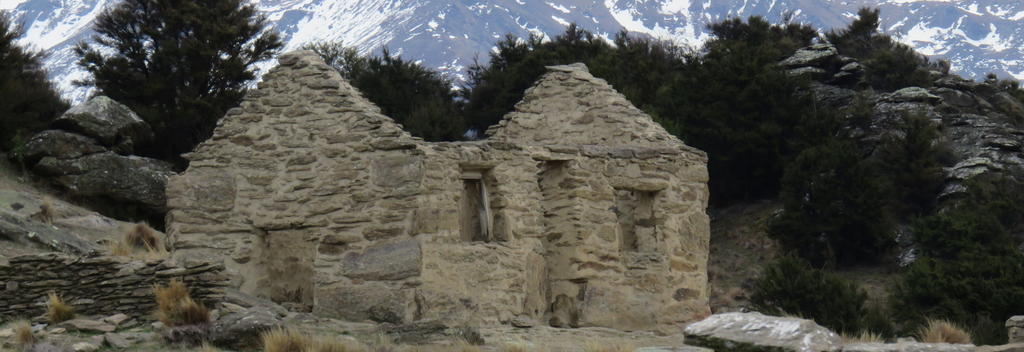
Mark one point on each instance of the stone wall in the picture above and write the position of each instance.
(311, 196)
(99, 285)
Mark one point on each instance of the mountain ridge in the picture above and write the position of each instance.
(976, 36)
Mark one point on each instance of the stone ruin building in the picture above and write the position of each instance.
(578, 210)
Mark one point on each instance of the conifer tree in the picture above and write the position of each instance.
(29, 101)
(179, 64)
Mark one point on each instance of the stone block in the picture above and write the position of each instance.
(388, 261)
(368, 301)
(397, 170)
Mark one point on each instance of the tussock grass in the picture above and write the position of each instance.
(206, 347)
(138, 241)
(863, 337)
(142, 236)
(606, 347)
(943, 331)
(56, 310)
(285, 340)
(515, 347)
(47, 212)
(119, 249)
(174, 306)
(334, 344)
(23, 335)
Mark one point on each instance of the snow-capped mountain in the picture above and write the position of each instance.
(977, 36)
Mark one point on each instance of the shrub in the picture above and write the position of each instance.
(791, 286)
(736, 104)
(833, 207)
(911, 158)
(176, 308)
(968, 270)
(942, 331)
(56, 310)
(889, 65)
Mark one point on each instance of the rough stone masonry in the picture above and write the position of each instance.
(99, 285)
(578, 210)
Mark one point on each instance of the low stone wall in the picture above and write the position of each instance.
(99, 285)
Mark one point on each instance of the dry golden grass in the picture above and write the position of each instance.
(515, 347)
(56, 310)
(285, 340)
(174, 306)
(142, 236)
(23, 335)
(206, 347)
(942, 331)
(47, 212)
(607, 347)
(334, 344)
(119, 249)
(863, 337)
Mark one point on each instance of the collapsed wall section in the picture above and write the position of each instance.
(100, 285)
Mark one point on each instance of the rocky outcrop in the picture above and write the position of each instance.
(823, 63)
(99, 285)
(755, 332)
(13, 228)
(578, 211)
(129, 179)
(981, 123)
(88, 152)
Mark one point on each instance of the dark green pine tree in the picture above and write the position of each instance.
(29, 101)
(890, 65)
(179, 64)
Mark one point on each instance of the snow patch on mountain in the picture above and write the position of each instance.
(976, 36)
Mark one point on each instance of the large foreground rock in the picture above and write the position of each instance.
(122, 178)
(241, 330)
(907, 347)
(109, 122)
(755, 332)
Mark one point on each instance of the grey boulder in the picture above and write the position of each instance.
(241, 330)
(811, 56)
(109, 122)
(742, 332)
(61, 145)
(914, 94)
(130, 179)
